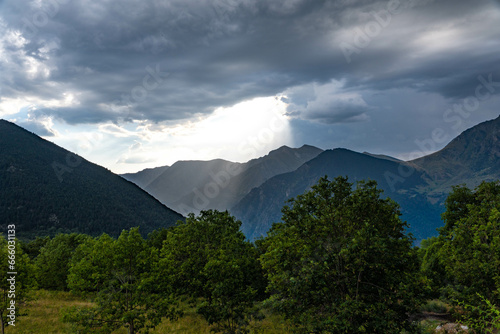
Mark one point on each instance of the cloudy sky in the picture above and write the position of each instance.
(130, 84)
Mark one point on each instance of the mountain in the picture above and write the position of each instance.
(146, 176)
(419, 186)
(191, 186)
(470, 158)
(262, 206)
(45, 189)
(382, 156)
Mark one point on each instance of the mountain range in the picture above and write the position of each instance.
(258, 192)
(470, 158)
(45, 189)
(262, 206)
(191, 186)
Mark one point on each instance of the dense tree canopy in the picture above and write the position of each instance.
(340, 261)
(52, 263)
(464, 260)
(207, 258)
(119, 272)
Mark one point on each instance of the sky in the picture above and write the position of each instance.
(134, 84)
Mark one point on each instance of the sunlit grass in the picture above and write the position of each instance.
(44, 316)
(43, 313)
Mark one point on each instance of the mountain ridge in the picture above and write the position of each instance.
(470, 158)
(254, 191)
(261, 207)
(195, 185)
(46, 189)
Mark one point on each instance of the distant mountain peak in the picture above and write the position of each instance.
(281, 149)
(341, 149)
(470, 158)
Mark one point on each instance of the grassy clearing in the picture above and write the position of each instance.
(43, 313)
(44, 316)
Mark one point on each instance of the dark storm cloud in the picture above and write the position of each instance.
(170, 60)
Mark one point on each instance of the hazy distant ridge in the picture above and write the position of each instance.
(219, 184)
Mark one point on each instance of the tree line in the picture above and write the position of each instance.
(340, 261)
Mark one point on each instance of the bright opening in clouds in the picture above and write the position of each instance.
(246, 130)
(133, 84)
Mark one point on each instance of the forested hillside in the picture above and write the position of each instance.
(45, 189)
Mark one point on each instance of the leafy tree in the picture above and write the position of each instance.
(53, 261)
(91, 264)
(431, 266)
(156, 238)
(340, 262)
(119, 271)
(33, 247)
(23, 281)
(467, 251)
(208, 259)
(484, 318)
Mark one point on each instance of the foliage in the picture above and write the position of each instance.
(91, 264)
(33, 247)
(24, 281)
(431, 265)
(208, 259)
(435, 306)
(119, 271)
(340, 261)
(155, 239)
(467, 252)
(484, 318)
(52, 263)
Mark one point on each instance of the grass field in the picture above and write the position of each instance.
(44, 316)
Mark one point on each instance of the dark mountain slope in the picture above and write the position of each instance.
(46, 189)
(262, 206)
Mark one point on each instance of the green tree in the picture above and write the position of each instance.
(90, 266)
(119, 272)
(33, 247)
(340, 261)
(467, 251)
(16, 290)
(155, 239)
(53, 261)
(432, 266)
(208, 259)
